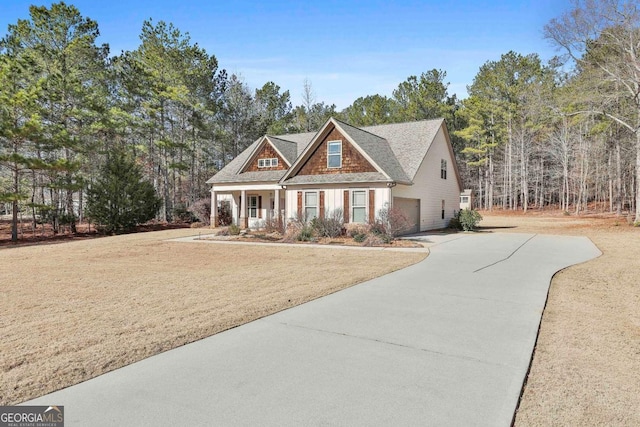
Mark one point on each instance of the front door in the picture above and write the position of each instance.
(252, 207)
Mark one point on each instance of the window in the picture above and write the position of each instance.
(443, 209)
(359, 206)
(310, 205)
(252, 206)
(443, 169)
(268, 163)
(334, 154)
(464, 199)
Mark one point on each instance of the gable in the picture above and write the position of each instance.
(352, 160)
(409, 141)
(265, 152)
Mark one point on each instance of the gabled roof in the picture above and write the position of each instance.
(287, 149)
(232, 172)
(379, 150)
(396, 150)
(409, 141)
(301, 140)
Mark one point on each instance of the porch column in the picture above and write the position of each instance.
(276, 204)
(214, 209)
(243, 210)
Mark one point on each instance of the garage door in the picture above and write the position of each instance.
(411, 207)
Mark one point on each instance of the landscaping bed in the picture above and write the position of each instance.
(276, 237)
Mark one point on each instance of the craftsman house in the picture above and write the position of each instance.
(410, 166)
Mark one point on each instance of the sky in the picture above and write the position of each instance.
(345, 49)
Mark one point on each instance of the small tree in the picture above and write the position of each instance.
(393, 222)
(120, 199)
(201, 209)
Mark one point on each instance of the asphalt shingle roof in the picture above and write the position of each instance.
(397, 148)
(378, 149)
(288, 149)
(409, 141)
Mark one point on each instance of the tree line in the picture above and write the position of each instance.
(563, 134)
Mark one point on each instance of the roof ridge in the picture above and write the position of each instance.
(280, 139)
(404, 123)
(360, 129)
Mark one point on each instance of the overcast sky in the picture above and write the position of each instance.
(346, 49)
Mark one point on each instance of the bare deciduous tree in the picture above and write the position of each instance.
(601, 36)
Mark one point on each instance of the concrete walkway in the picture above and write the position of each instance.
(444, 342)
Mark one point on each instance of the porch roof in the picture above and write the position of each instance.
(259, 176)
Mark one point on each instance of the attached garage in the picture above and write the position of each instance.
(411, 207)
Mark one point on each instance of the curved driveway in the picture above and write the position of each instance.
(444, 342)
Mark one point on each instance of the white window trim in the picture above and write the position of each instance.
(268, 162)
(249, 207)
(334, 154)
(366, 205)
(304, 203)
(443, 169)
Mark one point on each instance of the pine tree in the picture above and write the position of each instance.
(19, 123)
(120, 199)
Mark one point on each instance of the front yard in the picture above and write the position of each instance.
(72, 311)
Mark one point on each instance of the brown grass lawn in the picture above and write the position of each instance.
(586, 367)
(72, 311)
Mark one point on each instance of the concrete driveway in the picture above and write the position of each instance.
(444, 342)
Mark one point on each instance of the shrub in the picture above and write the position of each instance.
(224, 231)
(331, 225)
(201, 210)
(359, 237)
(305, 234)
(354, 229)
(182, 213)
(454, 223)
(274, 225)
(374, 240)
(469, 219)
(234, 230)
(224, 213)
(292, 231)
(393, 221)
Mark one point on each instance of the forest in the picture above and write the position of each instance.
(530, 135)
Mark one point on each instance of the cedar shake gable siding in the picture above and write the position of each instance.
(266, 152)
(352, 160)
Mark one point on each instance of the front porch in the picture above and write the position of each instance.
(249, 207)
